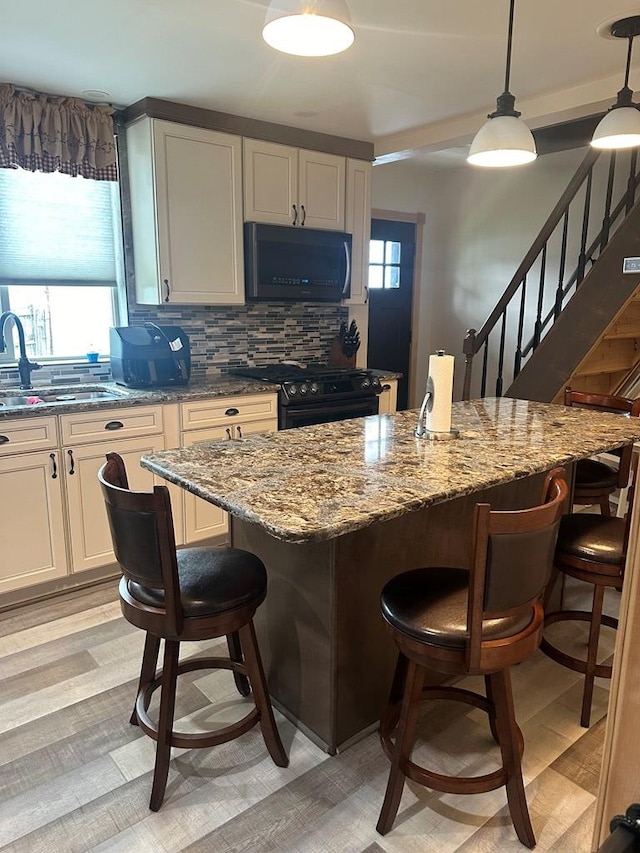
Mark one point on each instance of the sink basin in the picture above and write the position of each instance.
(56, 395)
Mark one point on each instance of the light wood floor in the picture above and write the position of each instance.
(75, 776)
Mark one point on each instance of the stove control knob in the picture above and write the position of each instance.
(315, 388)
(304, 389)
(375, 382)
(293, 390)
(366, 382)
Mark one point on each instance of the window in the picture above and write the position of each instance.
(60, 262)
(384, 264)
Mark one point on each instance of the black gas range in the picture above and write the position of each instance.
(317, 393)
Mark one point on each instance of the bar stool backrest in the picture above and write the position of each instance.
(512, 559)
(141, 525)
(616, 405)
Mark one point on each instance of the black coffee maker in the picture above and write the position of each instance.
(150, 356)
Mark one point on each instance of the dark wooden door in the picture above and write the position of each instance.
(390, 283)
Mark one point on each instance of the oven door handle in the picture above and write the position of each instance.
(347, 273)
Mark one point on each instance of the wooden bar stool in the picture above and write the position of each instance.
(479, 621)
(596, 481)
(191, 594)
(593, 549)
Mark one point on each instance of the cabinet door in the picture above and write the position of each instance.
(388, 399)
(358, 224)
(203, 520)
(187, 181)
(321, 190)
(31, 520)
(90, 539)
(270, 183)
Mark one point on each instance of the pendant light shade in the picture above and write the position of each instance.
(620, 127)
(503, 140)
(308, 27)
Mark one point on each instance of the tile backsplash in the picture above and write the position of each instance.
(220, 338)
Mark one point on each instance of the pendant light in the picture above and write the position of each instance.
(308, 27)
(504, 139)
(620, 127)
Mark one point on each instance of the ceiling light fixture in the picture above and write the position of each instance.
(620, 127)
(308, 27)
(504, 139)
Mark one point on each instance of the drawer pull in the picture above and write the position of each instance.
(54, 472)
(386, 387)
(114, 425)
(232, 412)
(4, 439)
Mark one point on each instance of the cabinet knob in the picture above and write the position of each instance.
(239, 431)
(167, 289)
(228, 432)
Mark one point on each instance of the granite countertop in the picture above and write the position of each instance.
(202, 389)
(319, 482)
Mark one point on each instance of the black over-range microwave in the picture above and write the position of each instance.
(305, 264)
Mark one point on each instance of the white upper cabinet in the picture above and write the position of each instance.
(358, 224)
(186, 205)
(290, 186)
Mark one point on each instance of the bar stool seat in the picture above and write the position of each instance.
(592, 549)
(595, 481)
(177, 596)
(479, 621)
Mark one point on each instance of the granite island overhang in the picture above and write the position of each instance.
(335, 510)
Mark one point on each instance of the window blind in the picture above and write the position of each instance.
(56, 229)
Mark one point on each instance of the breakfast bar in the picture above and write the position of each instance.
(335, 510)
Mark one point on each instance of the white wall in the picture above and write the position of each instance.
(479, 224)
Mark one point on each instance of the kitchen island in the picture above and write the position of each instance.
(337, 509)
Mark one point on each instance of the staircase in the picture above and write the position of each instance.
(569, 315)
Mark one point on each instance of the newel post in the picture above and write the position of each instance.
(469, 350)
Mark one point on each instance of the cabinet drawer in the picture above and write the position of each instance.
(27, 434)
(111, 424)
(201, 414)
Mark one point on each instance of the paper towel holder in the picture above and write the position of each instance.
(421, 430)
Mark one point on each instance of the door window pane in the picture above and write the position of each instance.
(376, 252)
(375, 276)
(392, 252)
(392, 277)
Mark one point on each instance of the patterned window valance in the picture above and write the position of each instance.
(43, 133)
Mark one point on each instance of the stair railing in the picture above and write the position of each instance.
(527, 333)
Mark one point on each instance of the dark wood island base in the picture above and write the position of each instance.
(328, 657)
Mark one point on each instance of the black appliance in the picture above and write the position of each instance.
(149, 356)
(317, 394)
(304, 264)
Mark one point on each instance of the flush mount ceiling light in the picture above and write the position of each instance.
(308, 27)
(504, 139)
(620, 127)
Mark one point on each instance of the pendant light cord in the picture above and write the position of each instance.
(628, 69)
(507, 73)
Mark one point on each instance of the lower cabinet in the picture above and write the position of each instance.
(31, 519)
(388, 399)
(230, 418)
(52, 518)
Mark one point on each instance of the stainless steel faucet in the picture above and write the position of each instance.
(24, 365)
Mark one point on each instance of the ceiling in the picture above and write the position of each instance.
(420, 77)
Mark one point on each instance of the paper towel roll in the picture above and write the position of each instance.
(440, 383)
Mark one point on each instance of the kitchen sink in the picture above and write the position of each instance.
(57, 395)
